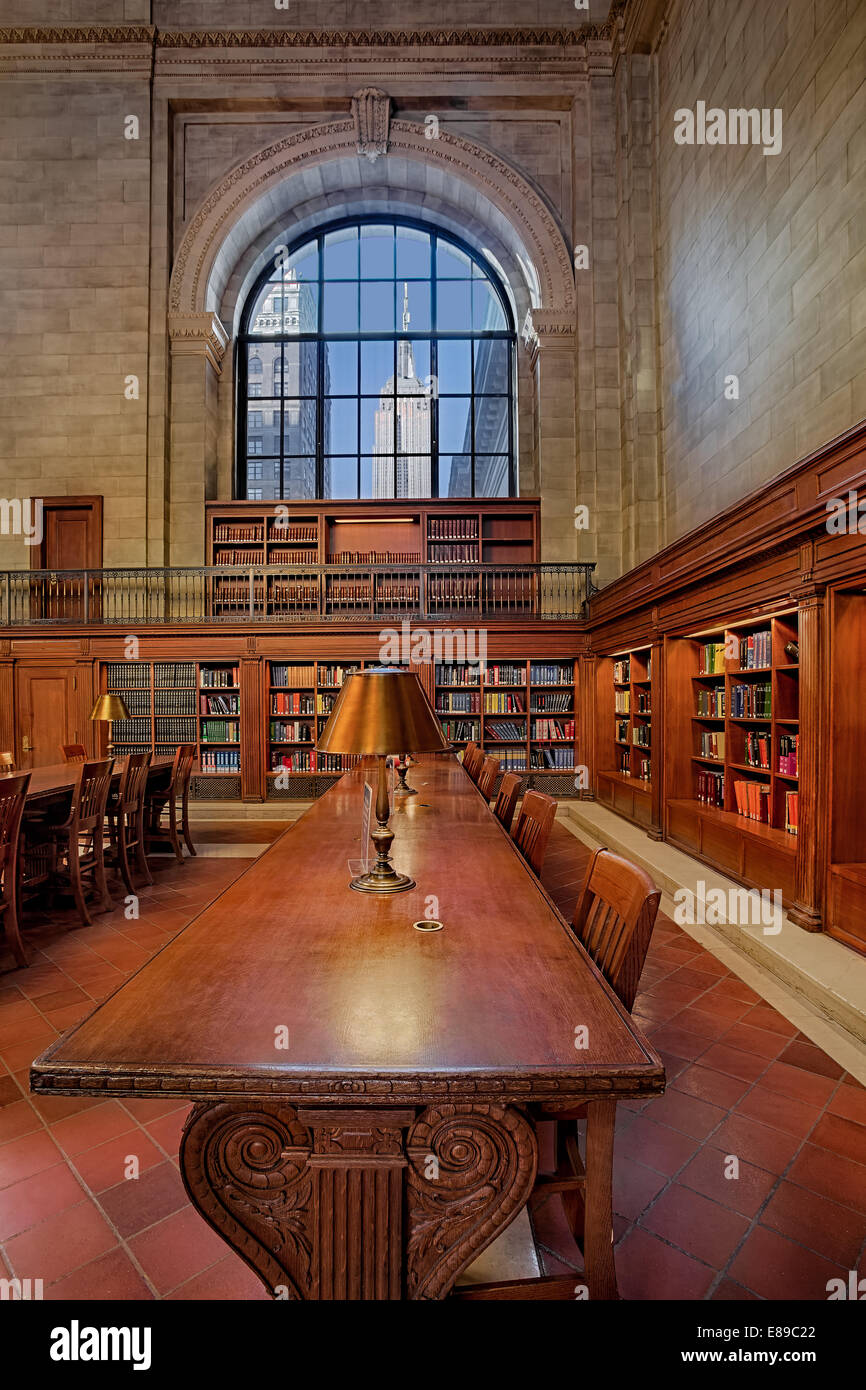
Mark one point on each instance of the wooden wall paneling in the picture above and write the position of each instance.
(812, 759)
(585, 668)
(8, 732)
(254, 722)
(655, 829)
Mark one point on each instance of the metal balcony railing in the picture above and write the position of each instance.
(293, 594)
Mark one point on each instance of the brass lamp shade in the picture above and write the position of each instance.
(109, 707)
(383, 710)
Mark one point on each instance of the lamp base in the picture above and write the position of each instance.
(374, 882)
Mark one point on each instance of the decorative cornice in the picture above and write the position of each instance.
(384, 38)
(197, 335)
(92, 33)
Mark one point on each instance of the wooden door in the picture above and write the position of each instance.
(71, 540)
(47, 699)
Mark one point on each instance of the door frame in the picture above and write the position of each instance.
(93, 504)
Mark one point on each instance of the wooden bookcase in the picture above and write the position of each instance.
(732, 728)
(520, 710)
(624, 734)
(300, 699)
(173, 702)
(846, 870)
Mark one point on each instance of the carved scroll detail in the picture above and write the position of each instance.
(484, 1160)
(371, 112)
(246, 1170)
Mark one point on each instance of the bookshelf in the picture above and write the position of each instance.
(520, 710)
(301, 695)
(174, 702)
(625, 733)
(846, 871)
(732, 743)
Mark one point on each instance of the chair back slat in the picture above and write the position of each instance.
(506, 800)
(614, 919)
(90, 795)
(472, 760)
(133, 782)
(533, 827)
(487, 777)
(73, 752)
(182, 769)
(13, 794)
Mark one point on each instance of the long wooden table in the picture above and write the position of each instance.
(362, 1125)
(57, 779)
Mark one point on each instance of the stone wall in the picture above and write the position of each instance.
(761, 259)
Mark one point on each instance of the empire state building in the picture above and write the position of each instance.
(402, 427)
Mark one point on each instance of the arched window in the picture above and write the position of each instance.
(380, 356)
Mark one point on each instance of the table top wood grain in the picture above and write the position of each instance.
(374, 1011)
(56, 778)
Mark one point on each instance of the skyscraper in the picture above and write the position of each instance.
(403, 427)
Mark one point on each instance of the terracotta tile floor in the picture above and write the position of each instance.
(741, 1082)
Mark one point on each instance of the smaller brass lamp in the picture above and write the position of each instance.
(106, 709)
(382, 711)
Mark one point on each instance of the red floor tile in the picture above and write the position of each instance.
(830, 1176)
(685, 1113)
(134, 1205)
(21, 1158)
(798, 1084)
(729, 1292)
(713, 1086)
(229, 1279)
(850, 1102)
(696, 1225)
(806, 1055)
(733, 1061)
(178, 1248)
(841, 1136)
(647, 1268)
(835, 1231)
(112, 1276)
(91, 1127)
(757, 1144)
(744, 1194)
(30, 1201)
(108, 1164)
(657, 1146)
(779, 1111)
(18, 1119)
(777, 1268)
(61, 1243)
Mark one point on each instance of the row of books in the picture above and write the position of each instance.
(291, 531)
(510, 759)
(756, 748)
(504, 702)
(756, 651)
(291, 731)
(641, 735)
(541, 673)
(293, 675)
(334, 675)
(398, 591)
(621, 671)
(452, 528)
(460, 702)
(173, 673)
(559, 730)
(552, 757)
(308, 760)
(238, 557)
(131, 730)
(550, 704)
(220, 704)
(239, 531)
(220, 677)
(136, 701)
(622, 727)
(751, 701)
(173, 702)
(789, 746)
(753, 800)
(622, 701)
(643, 770)
(623, 761)
(294, 557)
(220, 731)
(176, 730)
(644, 702)
(458, 673)
(713, 745)
(324, 704)
(461, 730)
(223, 760)
(712, 702)
(711, 660)
(375, 557)
(128, 675)
(507, 730)
(711, 787)
(455, 555)
(505, 673)
(292, 702)
(349, 591)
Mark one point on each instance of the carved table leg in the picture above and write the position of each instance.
(314, 1200)
(599, 1265)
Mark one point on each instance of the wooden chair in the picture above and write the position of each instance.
(127, 819)
(164, 802)
(73, 752)
(472, 760)
(7, 763)
(533, 828)
(77, 844)
(506, 800)
(13, 794)
(613, 921)
(487, 777)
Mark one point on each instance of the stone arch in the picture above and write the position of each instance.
(294, 168)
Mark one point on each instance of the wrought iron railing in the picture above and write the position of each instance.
(292, 594)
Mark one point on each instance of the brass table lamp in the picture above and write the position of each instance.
(383, 710)
(106, 709)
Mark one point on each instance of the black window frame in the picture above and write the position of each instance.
(321, 337)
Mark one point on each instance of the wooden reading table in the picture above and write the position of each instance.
(363, 1090)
